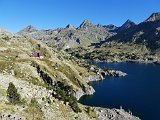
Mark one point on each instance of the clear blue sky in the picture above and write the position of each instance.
(17, 14)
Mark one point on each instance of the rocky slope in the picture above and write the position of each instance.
(18, 67)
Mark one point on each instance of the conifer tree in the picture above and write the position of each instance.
(12, 94)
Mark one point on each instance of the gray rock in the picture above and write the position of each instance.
(114, 114)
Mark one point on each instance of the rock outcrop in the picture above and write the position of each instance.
(104, 72)
(87, 91)
(114, 114)
(115, 73)
(92, 78)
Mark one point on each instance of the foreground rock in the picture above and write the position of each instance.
(114, 114)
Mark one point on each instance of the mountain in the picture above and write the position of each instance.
(87, 34)
(69, 37)
(29, 29)
(126, 25)
(69, 26)
(154, 17)
(85, 24)
(147, 32)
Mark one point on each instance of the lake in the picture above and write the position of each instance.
(138, 92)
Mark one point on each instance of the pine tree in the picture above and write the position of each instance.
(12, 94)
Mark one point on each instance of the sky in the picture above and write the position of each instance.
(50, 14)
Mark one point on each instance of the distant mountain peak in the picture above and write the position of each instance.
(29, 29)
(86, 23)
(129, 20)
(127, 25)
(69, 26)
(154, 17)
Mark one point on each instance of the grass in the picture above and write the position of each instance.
(33, 112)
(3, 92)
(36, 81)
(91, 113)
(6, 107)
(6, 66)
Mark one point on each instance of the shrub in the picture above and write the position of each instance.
(74, 105)
(88, 110)
(12, 94)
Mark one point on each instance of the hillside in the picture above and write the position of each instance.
(33, 78)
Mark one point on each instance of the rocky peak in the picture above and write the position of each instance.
(110, 27)
(128, 24)
(154, 17)
(69, 26)
(29, 29)
(85, 24)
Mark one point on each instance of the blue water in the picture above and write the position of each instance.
(139, 91)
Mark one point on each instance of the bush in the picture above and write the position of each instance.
(12, 94)
(74, 105)
(88, 110)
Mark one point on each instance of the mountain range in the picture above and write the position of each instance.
(70, 37)
(147, 32)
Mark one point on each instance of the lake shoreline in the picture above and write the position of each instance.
(141, 86)
(129, 61)
(106, 113)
